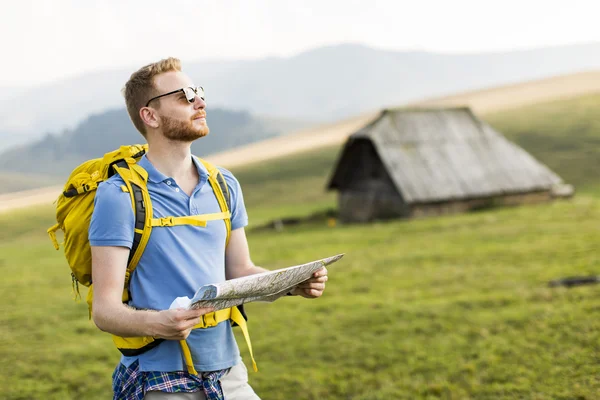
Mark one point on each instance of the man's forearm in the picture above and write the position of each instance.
(125, 321)
(246, 270)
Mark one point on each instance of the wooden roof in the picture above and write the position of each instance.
(443, 154)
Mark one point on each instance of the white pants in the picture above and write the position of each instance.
(234, 384)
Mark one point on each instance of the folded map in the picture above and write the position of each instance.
(266, 286)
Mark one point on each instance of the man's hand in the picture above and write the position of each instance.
(177, 324)
(312, 287)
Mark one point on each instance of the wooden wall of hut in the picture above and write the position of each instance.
(460, 206)
(368, 192)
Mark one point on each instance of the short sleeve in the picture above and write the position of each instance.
(112, 221)
(239, 216)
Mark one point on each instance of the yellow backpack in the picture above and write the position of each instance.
(74, 209)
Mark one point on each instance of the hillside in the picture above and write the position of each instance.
(293, 143)
(483, 102)
(445, 308)
(456, 307)
(503, 98)
(13, 182)
(563, 134)
(326, 84)
(58, 154)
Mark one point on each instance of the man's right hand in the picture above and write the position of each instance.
(176, 324)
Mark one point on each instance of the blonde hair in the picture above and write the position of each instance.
(140, 88)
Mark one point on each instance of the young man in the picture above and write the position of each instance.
(170, 112)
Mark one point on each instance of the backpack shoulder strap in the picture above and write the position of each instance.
(136, 185)
(219, 186)
(221, 190)
(224, 188)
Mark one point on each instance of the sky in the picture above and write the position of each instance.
(47, 40)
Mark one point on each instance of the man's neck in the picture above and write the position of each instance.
(173, 160)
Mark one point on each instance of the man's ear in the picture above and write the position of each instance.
(149, 117)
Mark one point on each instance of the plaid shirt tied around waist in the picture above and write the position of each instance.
(129, 383)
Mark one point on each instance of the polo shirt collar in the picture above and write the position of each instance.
(155, 176)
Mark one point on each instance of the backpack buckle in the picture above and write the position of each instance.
(209, 320)
(166, 221)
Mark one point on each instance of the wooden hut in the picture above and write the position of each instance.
(417, 162)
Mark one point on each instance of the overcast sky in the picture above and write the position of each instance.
(45, 40)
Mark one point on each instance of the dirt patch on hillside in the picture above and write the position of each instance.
(308, 139)
(522, 94)
(29, 198)
(480, 101)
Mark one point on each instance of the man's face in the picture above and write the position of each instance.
(179, 120)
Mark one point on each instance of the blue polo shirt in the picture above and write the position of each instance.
(177, 260)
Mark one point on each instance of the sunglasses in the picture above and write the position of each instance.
(190, 94)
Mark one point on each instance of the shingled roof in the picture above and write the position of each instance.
(435, 155)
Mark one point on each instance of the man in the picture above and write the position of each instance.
(170, 112)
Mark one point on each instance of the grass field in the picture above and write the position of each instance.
(456, 307)
(565, 135)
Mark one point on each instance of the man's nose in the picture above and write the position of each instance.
(199, 103)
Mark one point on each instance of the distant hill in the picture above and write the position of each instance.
(14, 181)
(14, 138)
(58, 154)
(482, 102)
(325, 84)
(523, 93)
(563, 132)
(9, 91)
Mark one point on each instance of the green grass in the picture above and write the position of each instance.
(563, 134)
(293, 186)
(454, 308)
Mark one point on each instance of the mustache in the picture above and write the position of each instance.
(201, 114)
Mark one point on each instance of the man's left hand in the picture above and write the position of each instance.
(312, 287)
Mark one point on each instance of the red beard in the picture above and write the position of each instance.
(182, 131)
